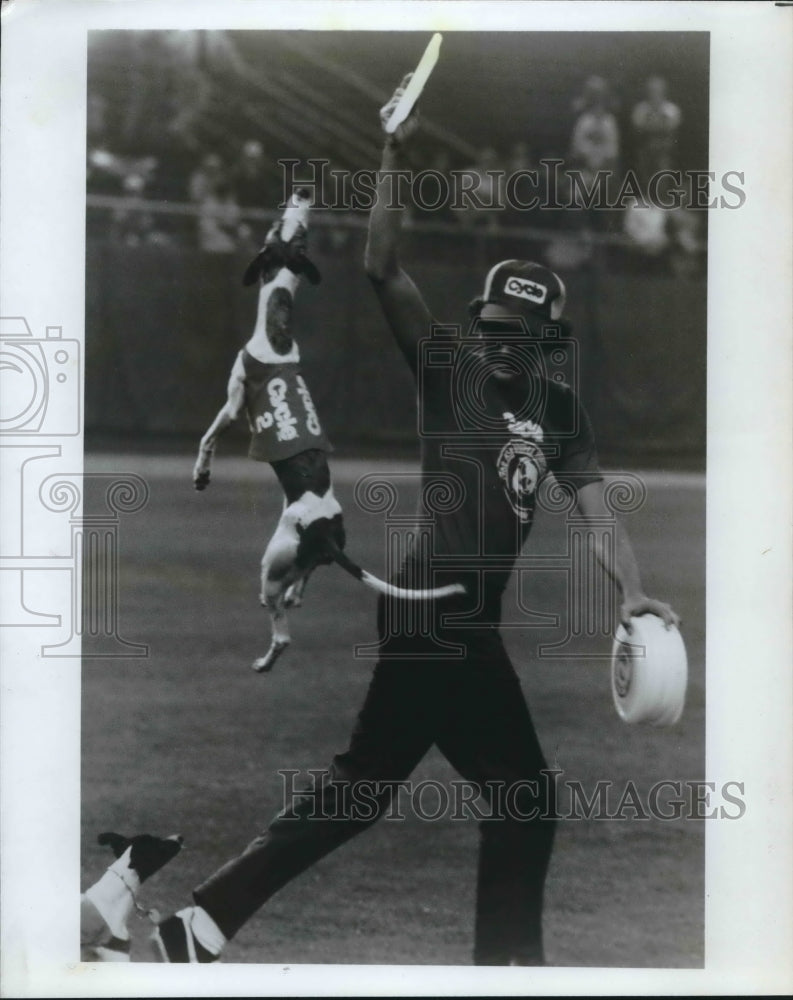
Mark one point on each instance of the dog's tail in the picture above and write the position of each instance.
(390, 589)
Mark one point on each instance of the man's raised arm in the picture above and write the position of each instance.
(403, 306)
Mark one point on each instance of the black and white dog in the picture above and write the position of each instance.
(266, 382)
(106, 906)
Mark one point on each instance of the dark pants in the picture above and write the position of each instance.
(474, 711)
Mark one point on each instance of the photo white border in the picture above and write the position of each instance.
(749, 864)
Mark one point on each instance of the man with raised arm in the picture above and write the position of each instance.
(449, 683)
(494, 424)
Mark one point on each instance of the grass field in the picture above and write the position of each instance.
(190, 739)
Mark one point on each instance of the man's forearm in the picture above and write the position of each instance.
(626, 570)
(381, 258)
(619, 562)
(618, 559)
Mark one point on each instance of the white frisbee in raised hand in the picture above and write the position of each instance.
(415, 86)
(649, 672)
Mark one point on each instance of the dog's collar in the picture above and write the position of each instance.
(118, 875)
(138, 907)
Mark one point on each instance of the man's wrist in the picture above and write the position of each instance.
(392, 153)
(633, 596)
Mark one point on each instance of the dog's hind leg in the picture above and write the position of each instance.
(294, 593)
(280, 638)
(278, 573)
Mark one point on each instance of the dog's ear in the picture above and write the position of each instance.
(115, 841)
(266, 262)
(302, 265)
(252, 271)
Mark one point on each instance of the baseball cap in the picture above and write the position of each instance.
(533, 291)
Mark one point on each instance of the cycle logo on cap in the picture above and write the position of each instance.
(523, 289)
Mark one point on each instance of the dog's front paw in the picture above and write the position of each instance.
(201, 479)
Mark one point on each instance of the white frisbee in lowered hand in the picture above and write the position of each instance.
(649, 672)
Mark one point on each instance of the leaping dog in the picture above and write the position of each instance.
(106, 906)
(265, 381)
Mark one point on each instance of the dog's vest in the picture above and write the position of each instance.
(281, 413)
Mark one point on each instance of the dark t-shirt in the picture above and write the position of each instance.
(486, 446)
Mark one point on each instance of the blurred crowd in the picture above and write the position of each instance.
(640, 234)
(602, 133)
(661, 237)
(152, 191)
